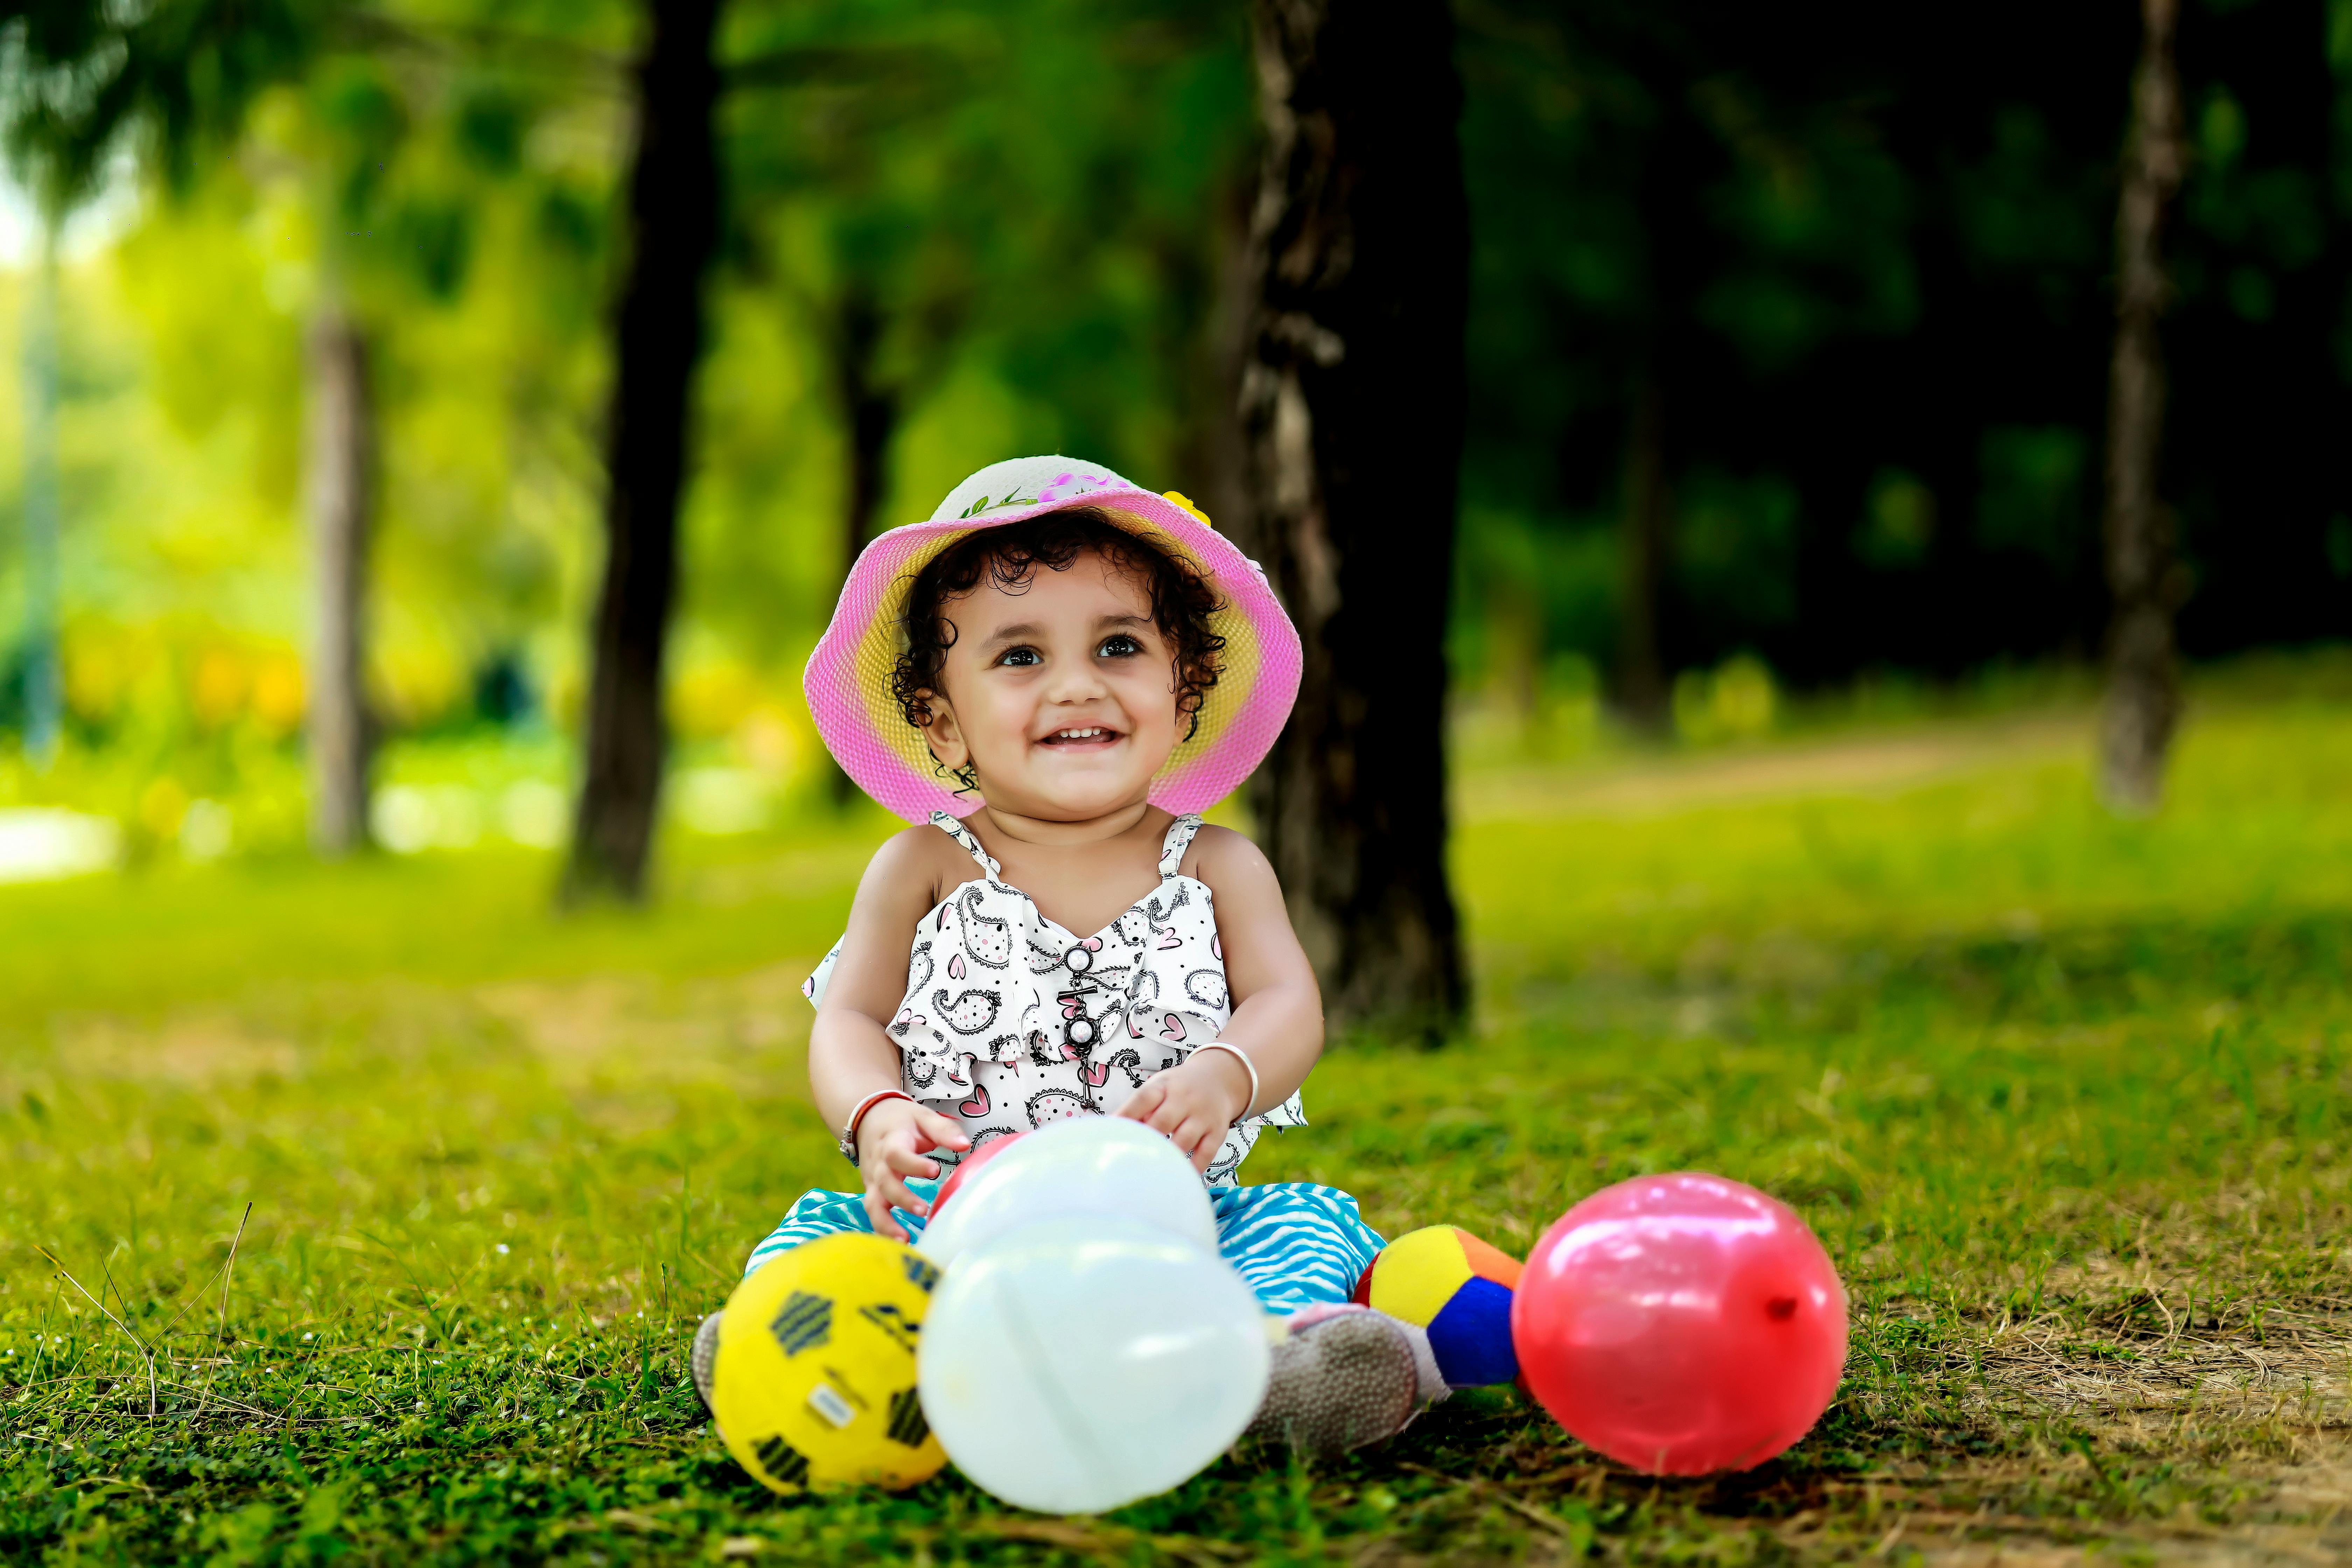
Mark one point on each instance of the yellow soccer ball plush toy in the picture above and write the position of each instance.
(813, 1383)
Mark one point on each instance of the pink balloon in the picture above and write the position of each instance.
(1681, 1324)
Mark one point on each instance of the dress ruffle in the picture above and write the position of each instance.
(991, 994)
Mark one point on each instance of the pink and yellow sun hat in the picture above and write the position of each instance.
(848, 678)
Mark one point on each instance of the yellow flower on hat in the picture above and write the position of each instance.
(1186, 502)
(852, 672)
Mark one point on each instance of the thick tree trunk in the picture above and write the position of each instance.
(1642, 693)
(1352, 406)
(673, 226)
(869, 410)
(2143, 698)
(1218, 445)
(342, 502)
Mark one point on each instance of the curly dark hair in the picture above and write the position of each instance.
(1008, 558)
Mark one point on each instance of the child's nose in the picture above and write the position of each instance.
(1075, 681)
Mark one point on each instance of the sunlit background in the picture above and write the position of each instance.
(1873, 281)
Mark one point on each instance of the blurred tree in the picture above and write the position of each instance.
(175, 83)
(837, 198)
(186, 76)
(885, 299)
(981, 247)
(1790, 329)
(1669, 169)
(1890, 348)
(869, 385)
(1656, 239)
(363, 122)
(671, 226)
(341, 501)
(870, 400)
(44, 699)
(1352, 405)
(2143, 699)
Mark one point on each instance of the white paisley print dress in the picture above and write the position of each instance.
(1010, 1022)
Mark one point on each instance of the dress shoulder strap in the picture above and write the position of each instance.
(1179, 839)
(963, 836)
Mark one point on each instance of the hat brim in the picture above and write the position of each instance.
(848, 677)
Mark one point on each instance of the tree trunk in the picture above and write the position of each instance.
(2143, 698)
(1674, 165)
(869, 410)
(44, 704)
(1353, 407)
(1218, 444)
(1642, 693)
(673, 227)
(341, 501)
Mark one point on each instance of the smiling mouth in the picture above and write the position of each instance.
(1088, 735)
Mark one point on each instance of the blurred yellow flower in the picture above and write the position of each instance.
(219, 689)
(278, 694)
(1186, 502)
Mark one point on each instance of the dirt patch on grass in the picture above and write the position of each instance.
(2212, 1442)
(189, 1047)
(803, 874)
(2293, 1366)
(609, 1027)
(2297, 1511)
(634, 1026)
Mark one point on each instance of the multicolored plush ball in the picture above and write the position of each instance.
(813, 1383)
(1458, 1288)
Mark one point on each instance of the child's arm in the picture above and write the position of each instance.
(851, 1057)
(1277, 1010)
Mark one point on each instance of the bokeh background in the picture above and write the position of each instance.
(1864, 261)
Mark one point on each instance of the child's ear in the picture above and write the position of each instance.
(944, 736)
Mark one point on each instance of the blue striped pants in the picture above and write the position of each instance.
(1296, 1243)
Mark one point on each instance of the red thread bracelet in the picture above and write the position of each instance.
(857, 1116)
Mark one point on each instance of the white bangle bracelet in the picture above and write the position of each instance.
(1248, 1066)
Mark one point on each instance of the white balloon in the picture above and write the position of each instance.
(1107, 1165)
(1079, 1364)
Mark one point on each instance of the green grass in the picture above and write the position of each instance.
(2069, 1098)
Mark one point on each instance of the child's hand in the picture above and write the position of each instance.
(1194, 1103)
(890, 1144)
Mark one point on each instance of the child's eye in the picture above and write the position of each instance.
(1120, 647)
(1021, 658)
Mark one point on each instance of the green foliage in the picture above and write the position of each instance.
(445, 171)
(1848, 245)
(364, 160)
(2066, 1098)
(1864, 258)
(178, 78)
(2037, 494)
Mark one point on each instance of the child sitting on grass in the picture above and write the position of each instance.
(1052, 677)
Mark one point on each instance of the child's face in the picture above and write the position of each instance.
(1063, 696)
